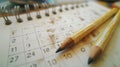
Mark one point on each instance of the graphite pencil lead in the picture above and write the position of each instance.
(90, 60)
(59, 49)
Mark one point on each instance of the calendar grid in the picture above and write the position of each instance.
(39, 43)
(24, 48)
(8, 53)
(32, 47)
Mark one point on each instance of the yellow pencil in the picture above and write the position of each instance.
(75, 38)
(103, 38)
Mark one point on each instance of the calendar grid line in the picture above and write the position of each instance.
(32, 44)
(77, 55)
(27, 50)
(8, 53)
(21, 35)
(39, 44)
(24, 49)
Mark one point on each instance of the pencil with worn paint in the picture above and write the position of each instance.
(75, 38)
(103, 38)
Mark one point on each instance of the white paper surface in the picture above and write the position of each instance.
(33, 43)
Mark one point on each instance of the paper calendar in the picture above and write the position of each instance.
(33, 43)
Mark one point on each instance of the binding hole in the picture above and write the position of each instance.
(66, 8)
(38, 16)
(86, 4)
(8, 22)
(47, 10)
(60, 9)
(53, 11)
(19, 20)
(82, 5)
(72, 7)
(77, 6)
(46, 14)
(29, 18)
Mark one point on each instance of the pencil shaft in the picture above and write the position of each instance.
(82, 33)
(75, 38)
(106, 35)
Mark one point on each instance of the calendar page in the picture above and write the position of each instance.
(33, 43)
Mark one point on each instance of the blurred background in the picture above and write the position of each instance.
(9, 4)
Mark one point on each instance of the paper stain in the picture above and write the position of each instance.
(52, 38)
(82, 19)
(13, 32)
(51, 35)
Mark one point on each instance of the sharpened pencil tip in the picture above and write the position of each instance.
(58, 50)
(90, 60)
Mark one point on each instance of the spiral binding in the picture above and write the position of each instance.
(60, 9)
(17, 14)
(37, 9)
(66, 8)
(36, 6)
(27, 8)
(46, 9)
(7, 21)
(53, 11)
